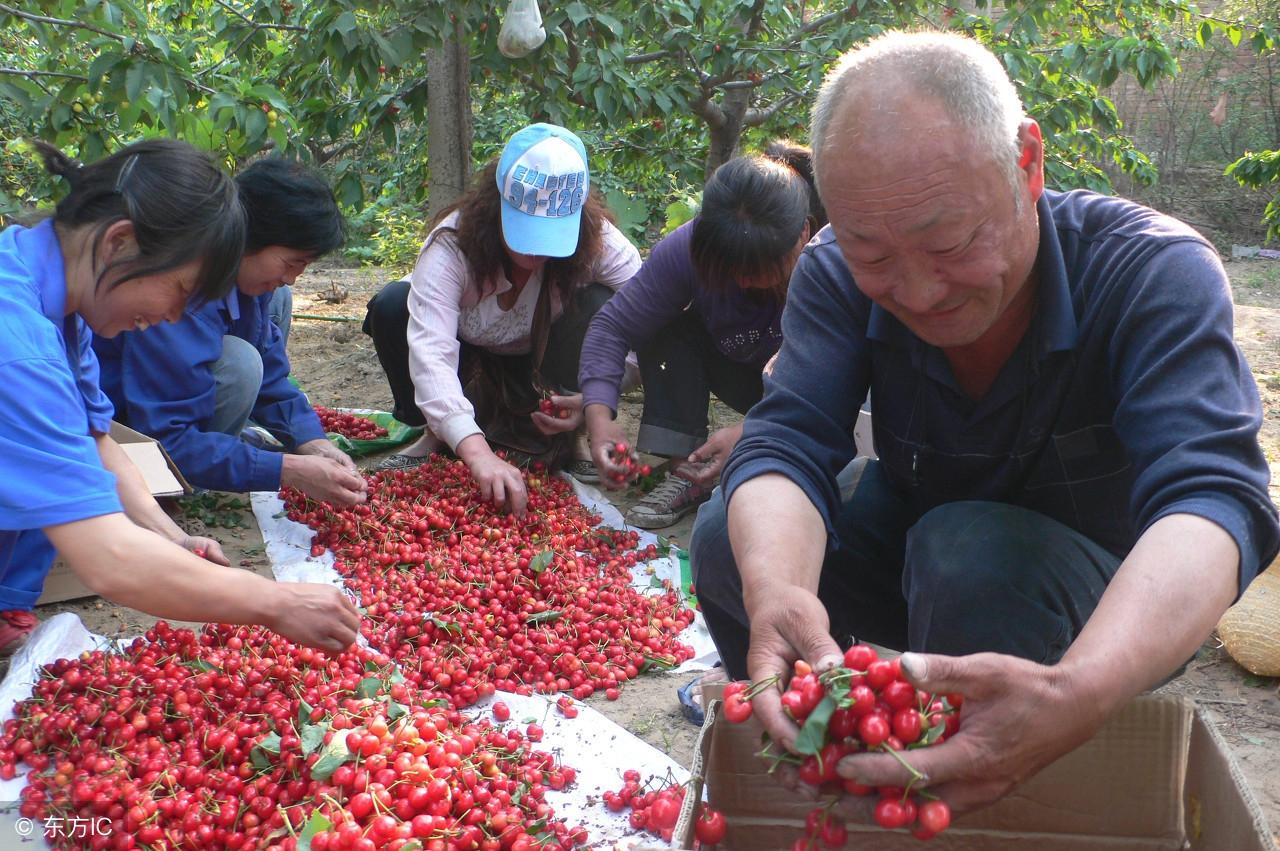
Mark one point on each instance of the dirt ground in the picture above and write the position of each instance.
(336, 365)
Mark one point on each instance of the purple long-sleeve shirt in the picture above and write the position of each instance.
(745, 325)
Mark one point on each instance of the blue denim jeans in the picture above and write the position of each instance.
(237, 374)
(965, 577)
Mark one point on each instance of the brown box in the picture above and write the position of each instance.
(1157, 776)
(163, 479)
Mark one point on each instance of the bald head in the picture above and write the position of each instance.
(867, 99)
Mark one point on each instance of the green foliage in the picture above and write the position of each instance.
(659, 91)
(1260, 170)
(387, 233)
(214, 509)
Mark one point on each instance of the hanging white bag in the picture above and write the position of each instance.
(522, 31)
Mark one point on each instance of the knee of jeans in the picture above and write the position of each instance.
(240, 366)
(281, 304)
(710, 555)
(953, 553)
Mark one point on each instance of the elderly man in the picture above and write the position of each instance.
(1069, 491)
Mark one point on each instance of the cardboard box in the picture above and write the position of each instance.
(163, 479)
(1157, 777)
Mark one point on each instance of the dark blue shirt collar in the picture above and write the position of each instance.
(1055, 323)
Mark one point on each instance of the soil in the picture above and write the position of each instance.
(336, 365)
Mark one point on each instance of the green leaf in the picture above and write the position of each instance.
(345, 23)
(653, 663)
(1204, 33)
(577, 12)
(269, 745)
(543, 617)
(447, 626)
(161, 44)
(395, 710)
(312, 738)
(539, 562)
(318, 823)
(333, 755)
(133, 80)
(201, 665)
(304, 713)
(369, 687)
(614, 25)
(933, 734)
(813, 735)
(103, 63)
(260, 760)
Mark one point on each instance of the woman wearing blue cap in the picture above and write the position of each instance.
(140, 233)
(503, 290)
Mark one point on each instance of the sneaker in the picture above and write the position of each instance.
(396, 461)
(259, 438)
(15, 629)
(583, 471)
(667, 503)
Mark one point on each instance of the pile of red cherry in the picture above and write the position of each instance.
(466, 598)
(234, 738)
(351, 426)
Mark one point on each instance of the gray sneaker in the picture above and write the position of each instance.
(667, 503)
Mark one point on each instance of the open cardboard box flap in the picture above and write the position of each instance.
(163, 480)
(162, 476)
(1157, 776)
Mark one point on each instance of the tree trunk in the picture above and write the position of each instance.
(726, 136)
(448, 122)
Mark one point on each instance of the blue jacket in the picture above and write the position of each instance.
(161, 383)
(1126, 401)
(50, 411)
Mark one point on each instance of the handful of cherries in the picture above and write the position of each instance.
(864, 705)
(621, 455)
(351, 426)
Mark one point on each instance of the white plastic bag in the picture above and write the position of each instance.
(522, 31)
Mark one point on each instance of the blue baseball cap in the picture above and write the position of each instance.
(543, 181)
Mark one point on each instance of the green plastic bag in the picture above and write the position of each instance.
(397, 433)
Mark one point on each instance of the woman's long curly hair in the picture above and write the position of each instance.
(478, 234)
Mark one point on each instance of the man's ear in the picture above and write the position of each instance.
(1031, 157)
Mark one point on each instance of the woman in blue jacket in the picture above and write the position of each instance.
(140, 233)
(194, 385)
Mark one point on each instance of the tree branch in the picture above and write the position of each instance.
(640, 58)
(822, 20)
(255, 24)
(712, 114)
(755, 20)
(41, 19)
(571, 44)
(755, 117)
(17, 72)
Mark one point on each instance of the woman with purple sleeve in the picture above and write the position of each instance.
(704, 316)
